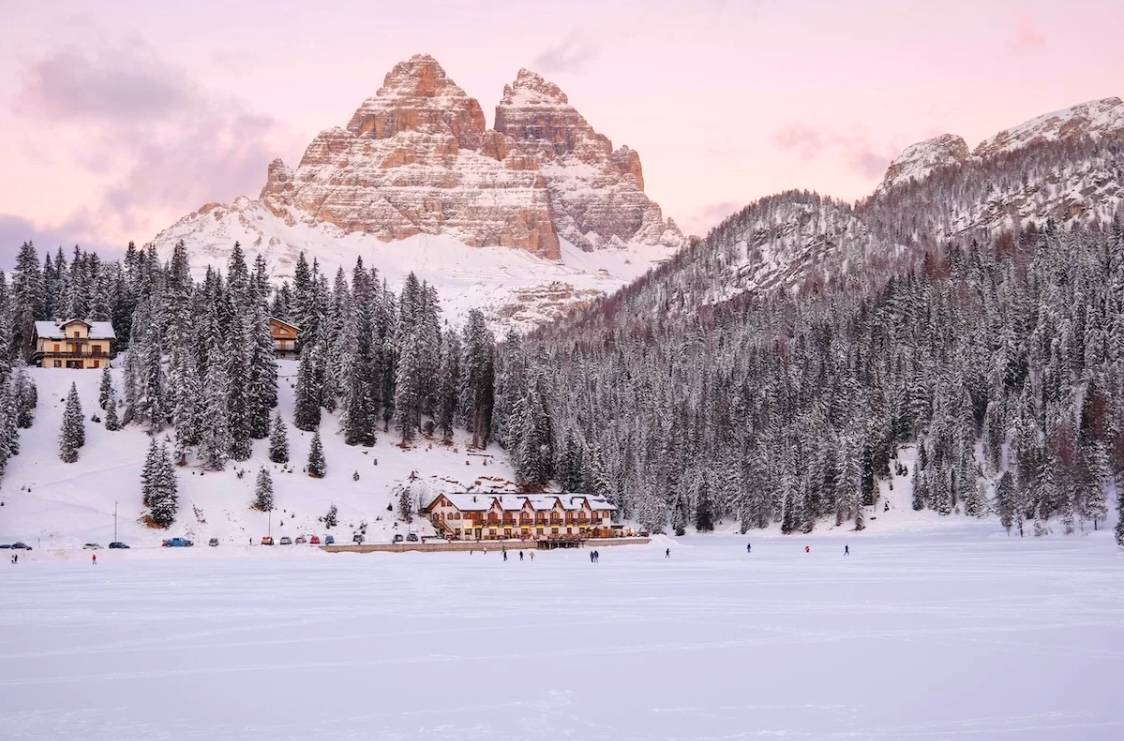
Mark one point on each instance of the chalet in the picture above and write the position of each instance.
(74, 343)
(481, 516)
(285, 336)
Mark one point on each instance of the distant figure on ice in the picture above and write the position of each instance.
(94, 556)
(596, 556)
(591, 556)
(520, 555)
(532, 555)
(504, 554)
(846, 550)
(807, 549)
(749, 548)
(667, 553)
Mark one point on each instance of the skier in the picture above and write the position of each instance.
(667, 553)
(846, 550)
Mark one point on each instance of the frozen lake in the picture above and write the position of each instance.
(942, 635)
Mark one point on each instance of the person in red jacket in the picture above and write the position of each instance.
(94, 556)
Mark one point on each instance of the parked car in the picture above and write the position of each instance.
(301, 540)
(398, 538)
(20, 546)
(357, 538)
(412, 538)
(5, 545)
(117, 545)
(91, 547)
(266, 540)
(329, 540)
(314, 540)
(177, 543)
(213, 542)
(286, 540)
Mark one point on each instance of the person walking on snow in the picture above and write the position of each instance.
(807, 549)
(846, 550)
(749, 548)
(520, 555)
(94, 556)
(667, 553)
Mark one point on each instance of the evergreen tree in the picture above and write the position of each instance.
(306, 412)
(278, 441)
(106, 388)
(164, 496)
(112, 424)
(317, 466)
(73, 434)
(263, 491)
(214, 442)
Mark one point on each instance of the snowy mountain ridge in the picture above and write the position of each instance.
(1065, 167)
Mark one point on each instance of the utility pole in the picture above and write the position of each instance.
(114, 520)
(269, 532)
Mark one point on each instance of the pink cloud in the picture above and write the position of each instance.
(854, 150)
(163, 144)
(1027, 37)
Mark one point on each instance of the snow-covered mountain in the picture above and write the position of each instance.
(527, 219)
(1065, 167)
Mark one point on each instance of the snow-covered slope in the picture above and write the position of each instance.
(513, 287)
(54, 504)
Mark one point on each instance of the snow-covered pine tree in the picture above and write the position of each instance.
(448, 379)
(150, 472)
(262, 391)
(331, 519)
(188, 414)
(73, 433)
(238, 389)
(164, 499)
(214, 442)
(27, 398)
(263, 491)
(408, 385)
(278, 441)
(112, 423)
(317, 466)
(477, 378)
(106, 388)
(306, 411)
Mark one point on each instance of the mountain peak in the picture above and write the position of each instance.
(531, 88)
(918, 160)
(1094, 118)
(417, 95)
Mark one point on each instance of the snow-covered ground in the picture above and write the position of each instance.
(51, 504)
(958, 633)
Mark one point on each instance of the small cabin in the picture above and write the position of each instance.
(285, 335)
(74, 343)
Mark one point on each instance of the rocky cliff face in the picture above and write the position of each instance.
(517, 220)
(597, 193)
(417, 158)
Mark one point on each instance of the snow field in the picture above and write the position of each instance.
(936, 635)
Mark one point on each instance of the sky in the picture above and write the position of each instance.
(118, 118)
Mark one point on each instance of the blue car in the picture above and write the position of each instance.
(177, 543)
